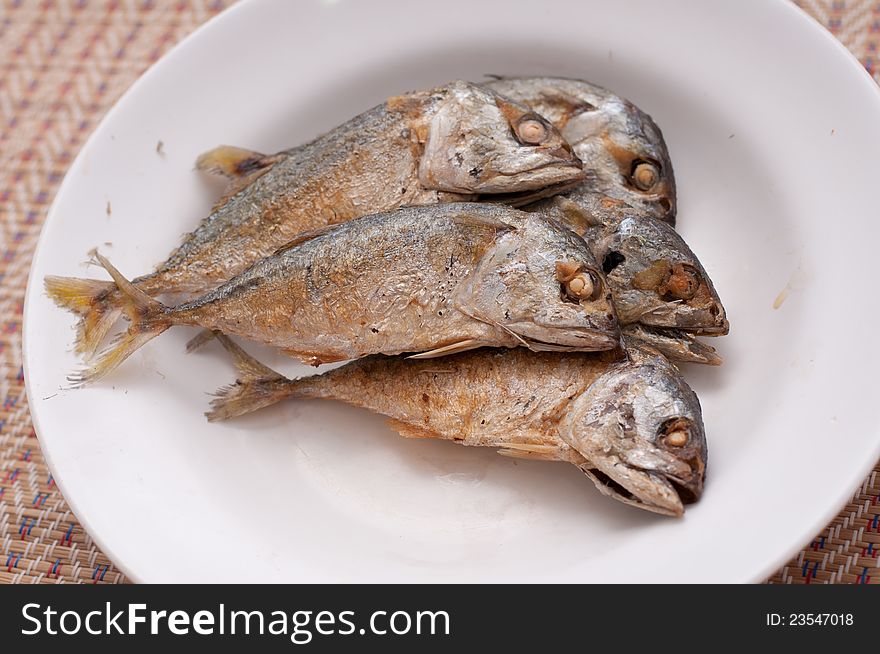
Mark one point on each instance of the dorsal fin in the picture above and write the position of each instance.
(234, 163)
(241, 167)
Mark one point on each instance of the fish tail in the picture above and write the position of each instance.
(257, 386)
(148, 318)
(96, 302)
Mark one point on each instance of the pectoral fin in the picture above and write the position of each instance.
(529, 451)
(312, 358)
(408, 430)
(454, 348)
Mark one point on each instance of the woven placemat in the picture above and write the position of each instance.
(64, 64)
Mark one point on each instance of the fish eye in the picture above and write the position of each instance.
(531, 130)
(577, 282)
(645, 175)
(675, 432)
(611, 261)
(682, 284)
(583, 286)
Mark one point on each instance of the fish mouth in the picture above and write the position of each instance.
(650, 476)
(651, 491)
(573, 340)
(696, 322)
(675, 344)
(721, 328)
(524, 198)
(530, 181)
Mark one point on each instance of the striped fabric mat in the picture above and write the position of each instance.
(64, 63)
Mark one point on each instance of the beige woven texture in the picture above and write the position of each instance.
(62, 66)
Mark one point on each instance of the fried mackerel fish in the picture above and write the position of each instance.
(419, 148)
(629, 421)
(625, 209)
(430, 280)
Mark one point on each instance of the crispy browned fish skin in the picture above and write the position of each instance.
(630, 422)
(628, 167)
(419, 148)
(452, 276)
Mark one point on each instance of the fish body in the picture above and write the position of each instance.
(628, 420)
(419, 148)
(430, 280)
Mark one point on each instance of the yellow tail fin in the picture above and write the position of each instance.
(96, 302)
(148, 318)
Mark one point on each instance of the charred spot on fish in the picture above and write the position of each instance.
(250, 165)
(476, 171)
(611, 261)
(374, 330)
(459, 159)
(425, 398)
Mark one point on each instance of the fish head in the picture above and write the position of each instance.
(657, 280)
(625, 156)
(479, 142)
(540, 284)
(640, 428)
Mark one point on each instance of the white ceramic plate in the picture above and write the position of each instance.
(774, 131)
